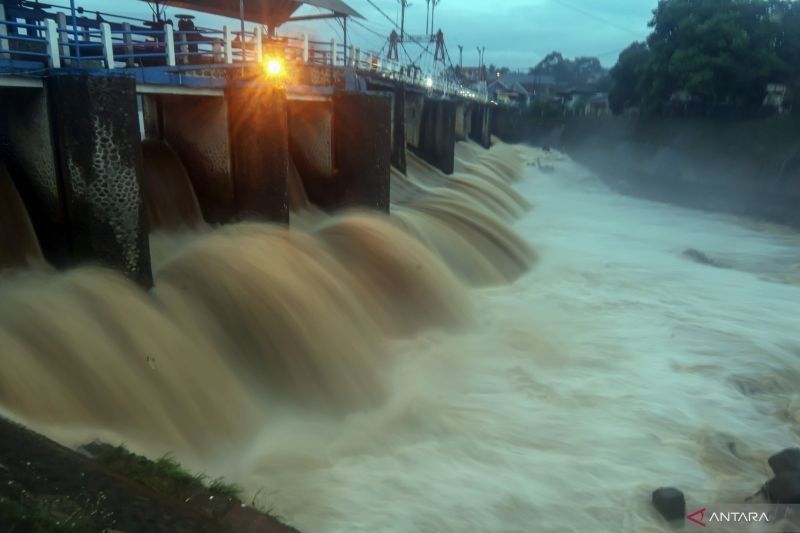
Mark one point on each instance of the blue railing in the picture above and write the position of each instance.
(122, 44)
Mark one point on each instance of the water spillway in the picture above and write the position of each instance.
(264, 315)
(170, 199)
(18, 243)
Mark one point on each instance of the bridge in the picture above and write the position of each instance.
(239, 106)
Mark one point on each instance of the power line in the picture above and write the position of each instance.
(364, 26)
(596, 17)
(333, 28)
(393, 23)
(382, 12)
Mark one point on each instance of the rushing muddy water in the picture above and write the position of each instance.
(416, 374)
(616, 366)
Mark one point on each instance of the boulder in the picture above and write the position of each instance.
(670, 502)
(784, 488)
(787, 460)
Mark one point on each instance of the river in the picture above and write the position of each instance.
(616, 366)
(303, 366)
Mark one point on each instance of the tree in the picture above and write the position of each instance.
(568, 72)
(787, 16)
(626, 75)
(720, 51)
(588, 68)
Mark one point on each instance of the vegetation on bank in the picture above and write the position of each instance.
(711, 55)
(46, 487)
(164, 476)
(26, 508)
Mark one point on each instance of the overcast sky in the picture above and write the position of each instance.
(516, 33)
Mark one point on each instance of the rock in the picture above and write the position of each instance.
(545, 169)
(783, 488)
(670, 502)
(787, 460)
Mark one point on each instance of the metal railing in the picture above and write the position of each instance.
(125, 45)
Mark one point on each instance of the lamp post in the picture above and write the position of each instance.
(74, 17)
(241, 21)
(427, 17)
(433, 9)
(403, 6)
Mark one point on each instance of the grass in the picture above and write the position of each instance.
(43, 514)
(27, 518)
(165, 475)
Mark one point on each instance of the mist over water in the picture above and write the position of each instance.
(428, 371)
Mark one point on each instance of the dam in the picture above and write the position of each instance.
(320, 279)
(341, 116)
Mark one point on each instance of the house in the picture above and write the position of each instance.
(471, 74)
(683, 103)
(521, 89)
(597, 105)
(777, 97)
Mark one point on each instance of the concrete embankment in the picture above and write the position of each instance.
(748, 168)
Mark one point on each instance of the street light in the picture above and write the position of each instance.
(433, 9)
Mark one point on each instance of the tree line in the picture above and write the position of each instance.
(710, 53)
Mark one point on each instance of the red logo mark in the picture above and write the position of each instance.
(698, 517)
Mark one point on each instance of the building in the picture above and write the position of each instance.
(777, 98)
(472, 74)
(521, 89)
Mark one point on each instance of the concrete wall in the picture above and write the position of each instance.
(744, 167)
(515, 125)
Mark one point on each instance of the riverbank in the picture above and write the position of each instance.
(51, 488)
(749, 168)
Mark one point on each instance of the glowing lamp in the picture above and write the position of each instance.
(429, 82)
(273, 67)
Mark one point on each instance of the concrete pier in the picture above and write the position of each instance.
(463, 121)
(99, 168)
(362, 132)
(437, 137)
(480, 127)
(258, 132)
(235, 147)
(342, 149)
(400, 102)
(399, 128)
(412, 117)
